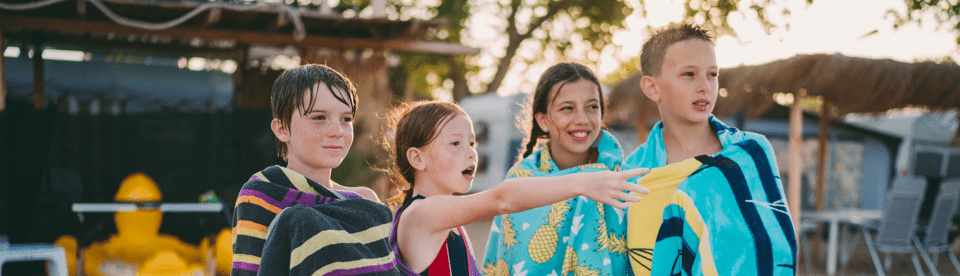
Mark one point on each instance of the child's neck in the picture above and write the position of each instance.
(565, 161)
(427, 190)
(321, 176)
(683, 141)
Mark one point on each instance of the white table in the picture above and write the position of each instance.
(163, 207)
(835, 217)
(81, 208)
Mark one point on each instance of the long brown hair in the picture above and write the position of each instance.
(562, 73)
(413, 125)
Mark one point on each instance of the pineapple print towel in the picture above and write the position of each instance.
(576, 237)
(712, 215)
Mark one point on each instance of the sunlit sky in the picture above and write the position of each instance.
(836, 26)
(826, 26)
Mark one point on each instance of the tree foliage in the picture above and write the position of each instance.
(593, 22)
(943, 12)
(558, 26)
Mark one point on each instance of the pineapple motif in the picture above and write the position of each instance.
(545, 159)
(544, 242)
(518, 172)
(609, 240)
(500, 269)
(509, 235)
(593, 165)
(569, 261)
(570, 264)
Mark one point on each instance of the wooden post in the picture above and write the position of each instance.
(796, 162)
(823, 140)
(3, 78)
(38, 76)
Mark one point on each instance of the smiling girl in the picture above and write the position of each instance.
(436, 155)
(577, 236)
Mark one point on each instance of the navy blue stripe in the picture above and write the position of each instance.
(688, 256)
(740, 189)
(673, 227)
(773, 194)
(457, 252)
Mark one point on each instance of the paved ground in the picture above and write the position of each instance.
(860, 262)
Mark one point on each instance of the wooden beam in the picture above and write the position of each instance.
(82, 9)
(241, 36)
(58, 38)
(282, 21)
(213, 16)
(39, 99)
(795, 170)
(823, 143)
(3, 78)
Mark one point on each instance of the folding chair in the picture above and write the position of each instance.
(54, 255)
(806, 233)
(935, 235)
(897, 226)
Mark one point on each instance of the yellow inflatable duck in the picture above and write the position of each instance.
(138, 248)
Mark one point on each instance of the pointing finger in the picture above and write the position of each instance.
(628, 174)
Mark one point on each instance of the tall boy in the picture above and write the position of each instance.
(295, 220)
(724, 212)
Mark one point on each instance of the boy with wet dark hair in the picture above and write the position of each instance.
(280, 210)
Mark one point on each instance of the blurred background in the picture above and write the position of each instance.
(95, 90)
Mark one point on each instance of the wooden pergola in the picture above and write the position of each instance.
(843, 84)
(141, 24)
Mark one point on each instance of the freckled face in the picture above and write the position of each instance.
(452, 156)
(321, 138)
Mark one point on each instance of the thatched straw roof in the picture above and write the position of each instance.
(851, 84)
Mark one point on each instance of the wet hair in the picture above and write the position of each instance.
(413, 125)
(654, 50)
(289, 88)
(561, 73)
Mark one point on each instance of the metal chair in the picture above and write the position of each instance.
(895, 232)
(805, 234)
(54, 255)
(935, 235)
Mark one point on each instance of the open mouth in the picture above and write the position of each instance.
(701, 105)
(468, 173)
(579, 136)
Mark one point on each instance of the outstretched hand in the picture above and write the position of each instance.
(612, 188)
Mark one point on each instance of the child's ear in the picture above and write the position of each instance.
(649, 86)
(278, 130)
(541, 121)
(415, 157)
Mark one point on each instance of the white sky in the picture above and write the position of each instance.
(827, 26)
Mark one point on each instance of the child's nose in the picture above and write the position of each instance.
(580, 117)
(334, 131)
(703, 84)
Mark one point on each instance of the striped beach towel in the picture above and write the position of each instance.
(720, 215)
(275, 189)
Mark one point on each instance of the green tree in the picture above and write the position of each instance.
(944, 13)
(542, 25)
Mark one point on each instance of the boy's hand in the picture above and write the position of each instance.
(612, 188)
